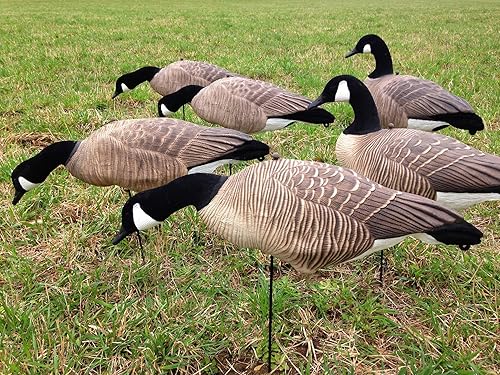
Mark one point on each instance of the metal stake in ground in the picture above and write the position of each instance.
(269, 342)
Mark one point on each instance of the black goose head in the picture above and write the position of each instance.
(149, 208)
(373, 44)
(171, 103)
(130, 80)
(32, 172)
(347, 88)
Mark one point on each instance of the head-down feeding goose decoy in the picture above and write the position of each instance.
(172, 77)
(138, 154)
(432, 165)
(306, 213)
(309, 214)
(409, 102)
(245, 104)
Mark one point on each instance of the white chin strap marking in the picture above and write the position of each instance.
(165, 111)
(343, 94)
(367, 48)
(142, 220)
(25, 184)
(124, 87)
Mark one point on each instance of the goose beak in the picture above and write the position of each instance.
(17, 196)
(352, 53)
(316, 103)
(115, 94)
(120, 236)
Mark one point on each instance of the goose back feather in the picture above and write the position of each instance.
(419, 162)
(186, 72)
(400, 99)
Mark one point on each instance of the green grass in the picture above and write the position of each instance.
(72, 303)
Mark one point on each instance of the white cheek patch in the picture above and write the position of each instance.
(25, 184)
(367, 48)
(142, 220)
(124, 87)
(343, 94)
(165, 111)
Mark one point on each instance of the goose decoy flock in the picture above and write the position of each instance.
(245, 104)
(392, 183)
(409, 102)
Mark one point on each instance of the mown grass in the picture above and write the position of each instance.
(72, 303)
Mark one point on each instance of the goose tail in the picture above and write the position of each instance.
(459, 233)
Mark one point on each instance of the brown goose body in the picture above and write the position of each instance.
(312, 214)
(139, 154)
(420, 162)
(185, 72)
(246, 105)
(409, 102)
(306, 213)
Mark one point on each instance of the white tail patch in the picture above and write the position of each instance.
(165, 111)
(343, 94)
(277, 123)
(25, 184)
(124, 87)
(142, 220)
(210, 167)
(425, 125)
(380, 245)
(460, 201)
(367, 48)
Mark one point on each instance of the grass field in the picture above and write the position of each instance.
(70, 302)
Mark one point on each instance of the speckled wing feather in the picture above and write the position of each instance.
(141, 154)
(420, 98)
(387, 213)
(192, 144)
(449, 165)
(273, 100)
(185, 72)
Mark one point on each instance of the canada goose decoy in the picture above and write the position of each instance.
(432, 165)
(409, 102)
(138, 154)
(172, 77)
(309, 214)
(245, 104)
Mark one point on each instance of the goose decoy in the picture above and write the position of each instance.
(138, 154)
(409, 102)
(309, 214)
(432, 165)
(244, 104)
(172, 77)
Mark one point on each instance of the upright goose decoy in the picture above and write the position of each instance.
(245, 104)
(409, 102)
(432, 165)
(172, 77)
(308, 214)
(138, 154)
